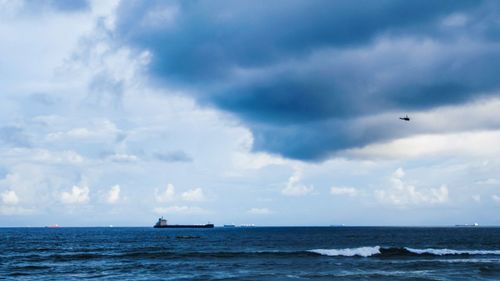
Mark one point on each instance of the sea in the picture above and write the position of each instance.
(251, 253)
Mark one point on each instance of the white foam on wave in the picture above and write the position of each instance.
(375, 250)
(349, 252)
(442, 252)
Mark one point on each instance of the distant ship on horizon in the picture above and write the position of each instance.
(53, 226)
(467, 225)
(241, 225)
(162, 223)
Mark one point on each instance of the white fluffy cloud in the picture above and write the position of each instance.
(9, 197)
(123, 157)
(343, 190)
(179, 210)
(495, 198)
(113, 195)
(259, 211)
(294, 187)
(101, 130)
(44, 156)
(195, 195)
(165, 195)
(489, 181)
(77, 195)
(401, 193)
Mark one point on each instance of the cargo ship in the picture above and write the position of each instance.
(162, 223)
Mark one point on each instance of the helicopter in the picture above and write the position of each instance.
(406, 118)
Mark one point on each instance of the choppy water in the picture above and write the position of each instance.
(261, 253)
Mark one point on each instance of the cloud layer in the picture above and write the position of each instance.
(305, 75)
(123, 102)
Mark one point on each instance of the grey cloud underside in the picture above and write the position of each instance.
(303, 74)
(14, 136)
(173, 156)
(104, 92)
(68, 6)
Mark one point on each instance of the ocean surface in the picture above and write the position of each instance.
(258, 253)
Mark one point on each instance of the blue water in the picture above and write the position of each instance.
(260, 253)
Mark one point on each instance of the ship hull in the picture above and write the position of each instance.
(185, 226)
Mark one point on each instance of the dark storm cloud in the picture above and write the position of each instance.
(302, 74)
(205, 39)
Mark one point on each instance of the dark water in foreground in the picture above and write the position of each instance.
(264, 253)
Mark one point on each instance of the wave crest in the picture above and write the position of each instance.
(349, 252)
(395, 251)
(443, 252)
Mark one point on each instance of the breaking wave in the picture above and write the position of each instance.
(395, 251)
(349, 252)
(443, 252)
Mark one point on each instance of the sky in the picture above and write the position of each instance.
(249, 112)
